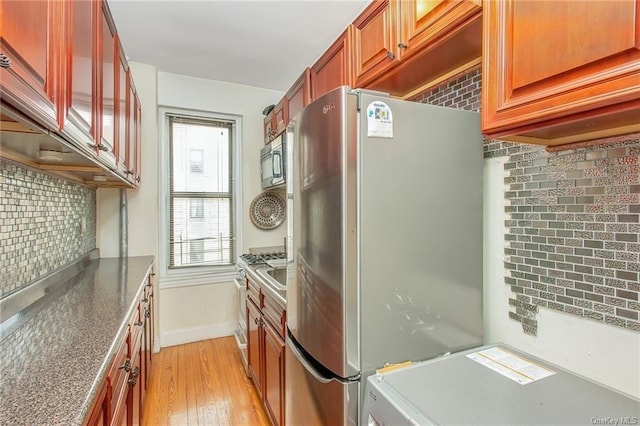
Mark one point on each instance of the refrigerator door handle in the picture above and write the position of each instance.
(307, 366)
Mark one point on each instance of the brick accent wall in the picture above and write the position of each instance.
(572, 242)
(40, 224)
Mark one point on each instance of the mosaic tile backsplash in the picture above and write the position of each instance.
(41, 220)
(573, 231)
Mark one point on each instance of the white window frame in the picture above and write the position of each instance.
(199, 275)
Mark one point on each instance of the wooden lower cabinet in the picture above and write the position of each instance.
(136, 389)
(100, 413)
(274, 374)
(265, 343)
(121, 399)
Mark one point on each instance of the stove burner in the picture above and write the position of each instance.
(255, 258)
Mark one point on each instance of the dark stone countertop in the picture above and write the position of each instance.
(52, 365)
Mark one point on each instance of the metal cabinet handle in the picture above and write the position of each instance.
(255, 320)
(139, 323)
(126, 366)
(134, 376)
(390, 54)
(5, 62)
(147, 313)
(402, 45)
(145, 300)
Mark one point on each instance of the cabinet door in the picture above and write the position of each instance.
(299, 95)
(100, 412)
(137, 164)
(80, 120)
(426, 21)
(148, 333)
(335, 66)
(550, 76)
(134, 397)
(134, 123)
(117, 379)
(254, 344)
(121, 110)
(376, 33)
(274, 375)
(280, 116)
(31, 47)
(269, 128)
(108, 70)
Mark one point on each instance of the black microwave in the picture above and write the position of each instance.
(273, 163)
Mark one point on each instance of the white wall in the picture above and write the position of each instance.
(206, 310)
(604, 353)
(142, 202)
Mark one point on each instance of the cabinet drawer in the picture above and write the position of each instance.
(274, 315)
(118, 378)
(136, 326)
(253, 292)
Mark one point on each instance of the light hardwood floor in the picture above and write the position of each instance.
(202, 383)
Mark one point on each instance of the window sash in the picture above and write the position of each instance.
(206, 237)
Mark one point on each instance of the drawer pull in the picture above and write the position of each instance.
(147, 313)
(139, 323)
(134, 376)
(5, 62)
(126, 366)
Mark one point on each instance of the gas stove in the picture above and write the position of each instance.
(257, 258)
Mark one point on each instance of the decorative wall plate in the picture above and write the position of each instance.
(267, 210)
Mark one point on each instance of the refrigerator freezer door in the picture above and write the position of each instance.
(312, 399)
(420, 233)
(322, 303)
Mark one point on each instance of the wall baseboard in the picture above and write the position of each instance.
(189, 335)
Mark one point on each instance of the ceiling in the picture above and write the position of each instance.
(261, 43)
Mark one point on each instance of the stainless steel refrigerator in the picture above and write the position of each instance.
(385, 256)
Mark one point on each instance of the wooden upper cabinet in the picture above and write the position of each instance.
(424, 22)
(31, 57)
(561, 72)
(281, 116)
(404, 47)
(108, 70)
(268, 127)
(299, 94)
(81, 114)
(122, 140)
(376, 33)
(130, 157)
(335, 66)
(138, 144)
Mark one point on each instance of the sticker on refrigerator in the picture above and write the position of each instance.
(379, 120)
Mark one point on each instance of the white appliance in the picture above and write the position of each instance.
(255, 258)
(386, 260)
(492, 385)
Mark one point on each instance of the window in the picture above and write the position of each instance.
(201, 230)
